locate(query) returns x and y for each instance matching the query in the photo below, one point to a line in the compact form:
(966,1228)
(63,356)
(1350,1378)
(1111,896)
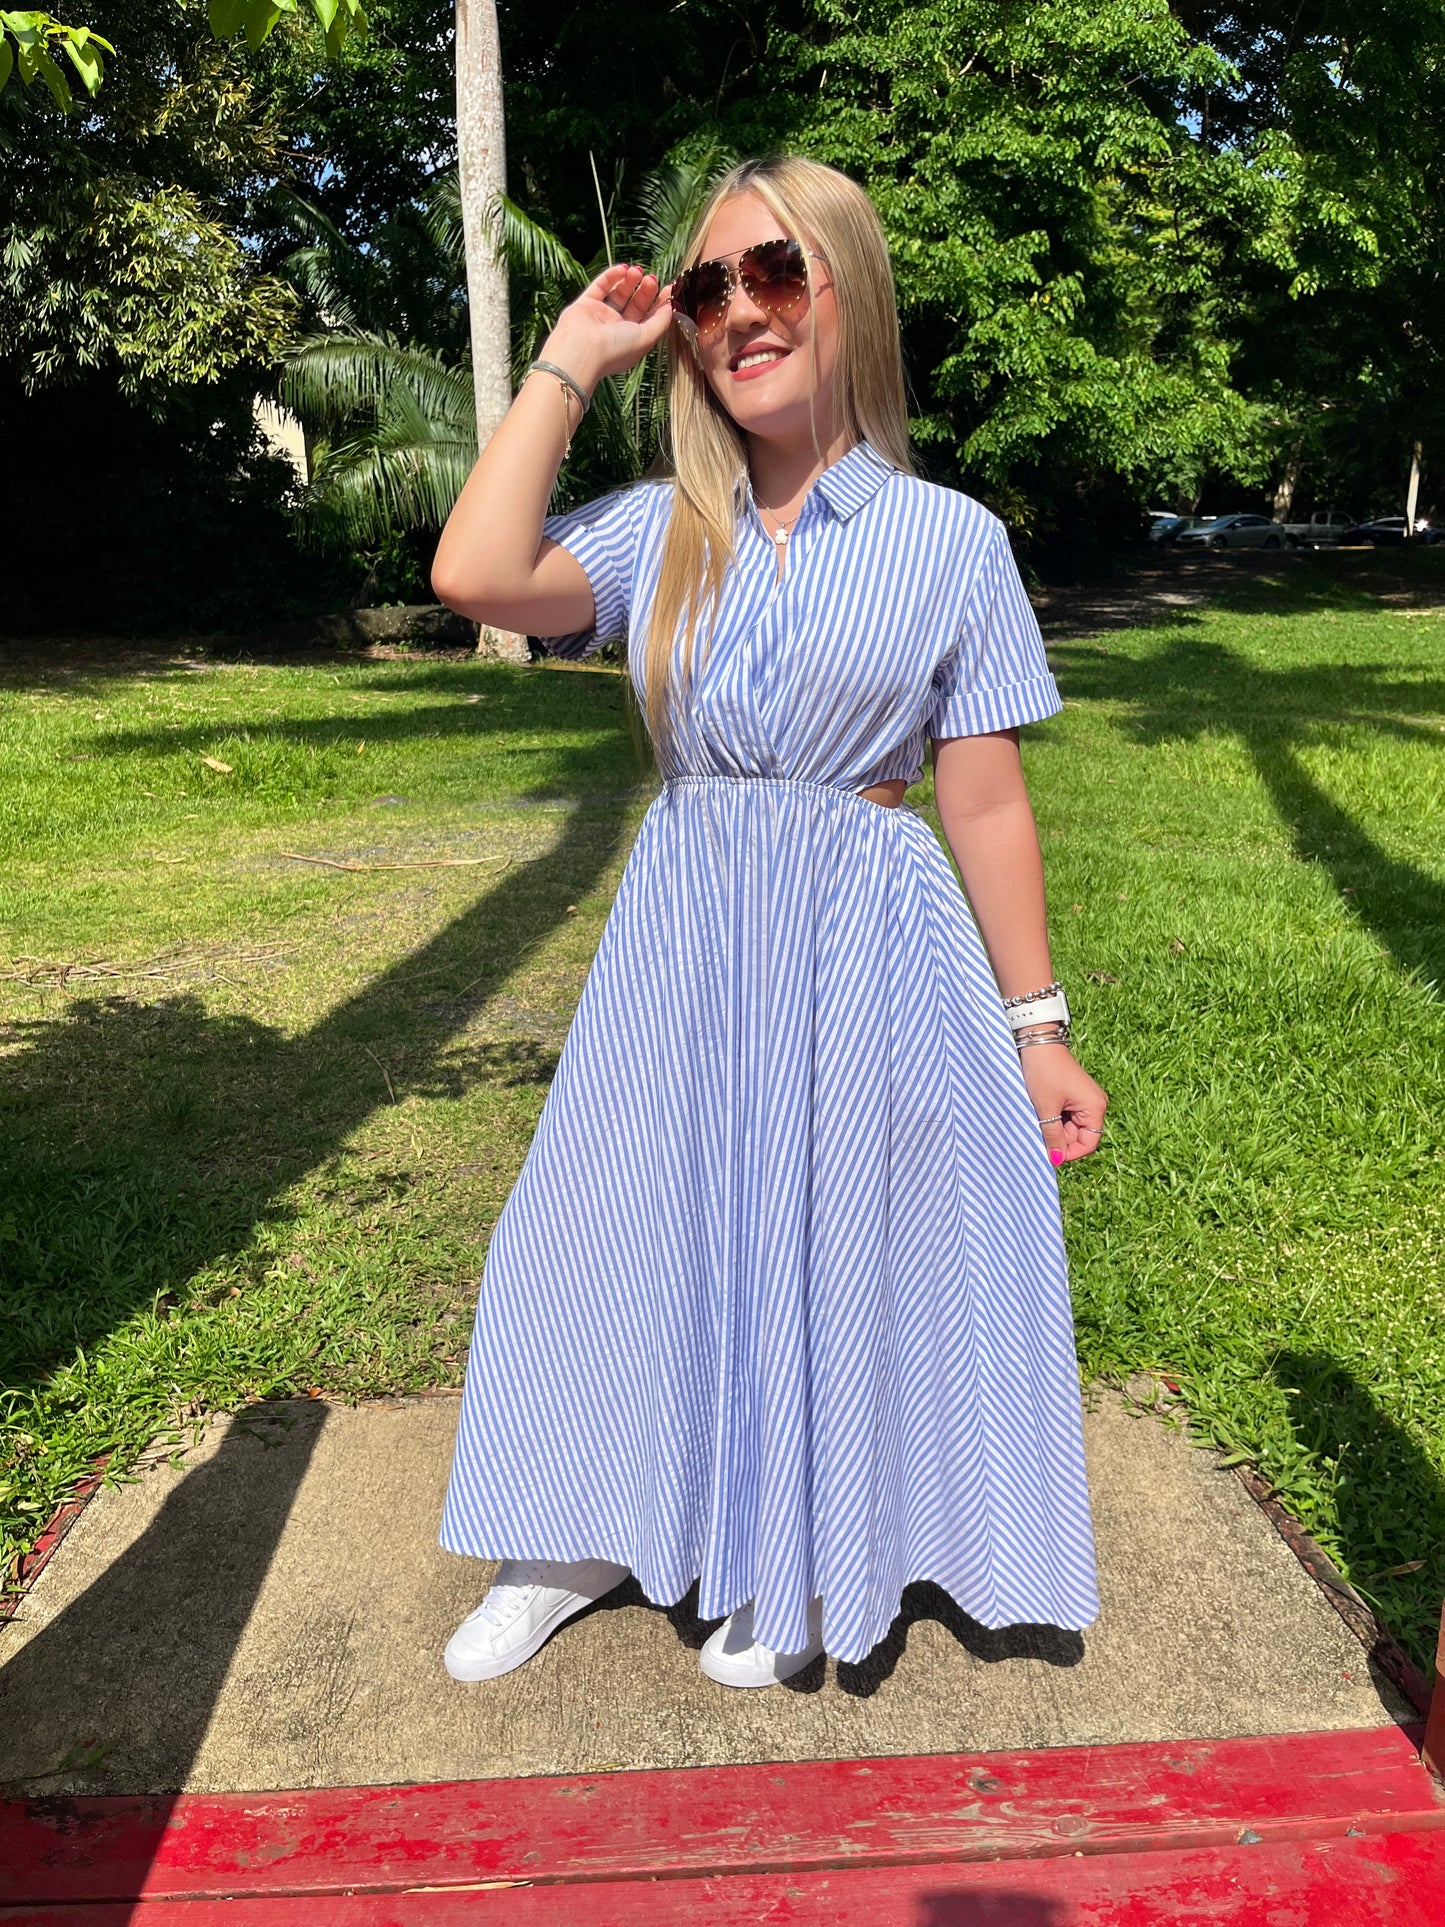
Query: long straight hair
(707,453)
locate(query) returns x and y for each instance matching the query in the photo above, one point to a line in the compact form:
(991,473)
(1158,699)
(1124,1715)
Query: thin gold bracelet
(564,390)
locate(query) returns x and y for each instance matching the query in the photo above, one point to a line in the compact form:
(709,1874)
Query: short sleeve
(996,675)
(604,537)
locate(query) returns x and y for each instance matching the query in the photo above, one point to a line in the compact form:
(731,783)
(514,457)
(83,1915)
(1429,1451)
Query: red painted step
(1387,1880)
(947,1810)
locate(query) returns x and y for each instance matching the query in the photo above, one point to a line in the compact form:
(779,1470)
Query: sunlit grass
(272,1164)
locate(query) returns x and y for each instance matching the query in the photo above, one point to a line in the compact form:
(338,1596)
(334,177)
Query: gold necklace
(783,530)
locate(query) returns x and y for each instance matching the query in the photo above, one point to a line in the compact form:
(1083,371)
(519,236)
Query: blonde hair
(708,454)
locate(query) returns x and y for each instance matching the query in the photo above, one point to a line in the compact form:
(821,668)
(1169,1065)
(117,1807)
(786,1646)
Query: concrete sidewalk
(271,1615)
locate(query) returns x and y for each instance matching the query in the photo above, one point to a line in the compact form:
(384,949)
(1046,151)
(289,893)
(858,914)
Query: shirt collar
(849,484)
(853,480)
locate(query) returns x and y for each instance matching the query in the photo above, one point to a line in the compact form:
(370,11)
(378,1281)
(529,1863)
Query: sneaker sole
(472,1670)
(719,1669)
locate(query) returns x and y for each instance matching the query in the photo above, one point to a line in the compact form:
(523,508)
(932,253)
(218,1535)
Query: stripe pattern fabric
(779,1302)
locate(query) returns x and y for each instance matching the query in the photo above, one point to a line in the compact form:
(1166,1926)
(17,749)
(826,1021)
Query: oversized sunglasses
(773,274)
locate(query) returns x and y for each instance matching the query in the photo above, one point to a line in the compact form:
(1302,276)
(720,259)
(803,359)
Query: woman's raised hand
(613,323)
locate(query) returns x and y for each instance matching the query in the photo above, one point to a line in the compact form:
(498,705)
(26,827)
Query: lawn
(258,1114)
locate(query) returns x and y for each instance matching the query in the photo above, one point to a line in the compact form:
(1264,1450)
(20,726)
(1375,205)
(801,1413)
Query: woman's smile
(756,359)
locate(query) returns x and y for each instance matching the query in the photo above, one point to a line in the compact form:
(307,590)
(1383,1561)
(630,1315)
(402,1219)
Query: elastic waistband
(806,784)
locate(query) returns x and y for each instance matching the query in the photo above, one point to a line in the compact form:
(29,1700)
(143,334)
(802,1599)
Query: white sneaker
(529,1600)
(733,1657)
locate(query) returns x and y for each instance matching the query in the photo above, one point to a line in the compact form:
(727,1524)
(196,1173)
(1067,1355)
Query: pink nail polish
(1056,1157)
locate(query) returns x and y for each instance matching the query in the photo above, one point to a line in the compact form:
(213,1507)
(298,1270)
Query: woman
(779,1303)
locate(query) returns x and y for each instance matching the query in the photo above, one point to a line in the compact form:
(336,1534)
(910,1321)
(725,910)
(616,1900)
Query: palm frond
(382,480)
(443,218)
(669,201)
(331,378)
(326,268)
(533,250)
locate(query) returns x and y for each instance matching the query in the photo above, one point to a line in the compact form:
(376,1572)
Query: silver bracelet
(567,381)
(1060,1036)
(1033,996)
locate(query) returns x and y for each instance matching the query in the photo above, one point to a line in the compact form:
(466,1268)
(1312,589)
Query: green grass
(272,1164)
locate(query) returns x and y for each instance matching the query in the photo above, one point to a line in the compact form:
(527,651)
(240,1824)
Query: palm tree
(393,421)
(482,181)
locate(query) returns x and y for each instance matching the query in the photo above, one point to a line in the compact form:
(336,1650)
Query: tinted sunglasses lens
(775,274)
(703,294)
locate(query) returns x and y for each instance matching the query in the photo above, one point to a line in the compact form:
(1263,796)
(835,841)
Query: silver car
(1233,532)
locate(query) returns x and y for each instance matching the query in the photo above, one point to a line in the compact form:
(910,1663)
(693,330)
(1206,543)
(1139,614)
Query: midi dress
(778,1303)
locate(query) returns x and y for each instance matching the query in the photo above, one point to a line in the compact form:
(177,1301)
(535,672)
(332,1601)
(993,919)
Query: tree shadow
(121,1684)
(1172,587)
(1388,1498)
(143,1142)
(1191,687)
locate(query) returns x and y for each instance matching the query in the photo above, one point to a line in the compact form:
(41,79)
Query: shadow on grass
(140,1143)
(1388,1499)
(1191,687)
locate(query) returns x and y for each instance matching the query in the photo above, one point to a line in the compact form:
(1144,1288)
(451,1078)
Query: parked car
(1388,529)
(1234,532)
(1167,529)
(1325,529)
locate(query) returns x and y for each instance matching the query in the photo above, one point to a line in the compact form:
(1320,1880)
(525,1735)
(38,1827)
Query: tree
(482,175)
(393,420)
(29,40)
(1345,105)
(1057,234)
(122,242)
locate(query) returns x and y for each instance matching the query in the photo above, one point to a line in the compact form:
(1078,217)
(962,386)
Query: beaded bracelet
(1033,996)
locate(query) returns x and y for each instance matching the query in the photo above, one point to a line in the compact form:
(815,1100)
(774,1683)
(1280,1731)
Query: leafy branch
(30,40)
(26,42)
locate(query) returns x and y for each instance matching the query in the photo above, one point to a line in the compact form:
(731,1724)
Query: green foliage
(393,420)
(255,18)
(1056,232)
(121,237)
(26,42)
(148,281)
(27,39)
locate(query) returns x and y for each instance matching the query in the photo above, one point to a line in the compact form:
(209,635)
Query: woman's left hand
(1069,1103)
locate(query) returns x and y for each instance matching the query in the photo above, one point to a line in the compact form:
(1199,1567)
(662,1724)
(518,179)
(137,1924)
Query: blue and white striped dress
(779,1299)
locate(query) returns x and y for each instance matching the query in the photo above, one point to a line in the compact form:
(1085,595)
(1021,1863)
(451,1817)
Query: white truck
(1325,529)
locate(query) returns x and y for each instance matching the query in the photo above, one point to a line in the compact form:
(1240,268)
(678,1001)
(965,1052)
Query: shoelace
(505,1602)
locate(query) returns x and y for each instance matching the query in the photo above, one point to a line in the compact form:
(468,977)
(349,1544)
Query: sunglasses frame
(736,277)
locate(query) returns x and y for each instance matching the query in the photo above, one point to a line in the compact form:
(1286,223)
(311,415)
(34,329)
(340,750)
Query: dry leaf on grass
(431,863)
(215,763)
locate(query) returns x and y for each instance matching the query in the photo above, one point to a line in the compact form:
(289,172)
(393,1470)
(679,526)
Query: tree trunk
(1412,500)
(482,167)
(1288,483)
(482,164)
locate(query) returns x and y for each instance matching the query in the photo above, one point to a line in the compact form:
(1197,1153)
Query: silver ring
(1052,1120)
(1094,1130)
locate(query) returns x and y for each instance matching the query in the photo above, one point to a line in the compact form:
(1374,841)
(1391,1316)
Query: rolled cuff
(975,712)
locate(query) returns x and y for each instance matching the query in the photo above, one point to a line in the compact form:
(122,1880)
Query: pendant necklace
(783,530)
